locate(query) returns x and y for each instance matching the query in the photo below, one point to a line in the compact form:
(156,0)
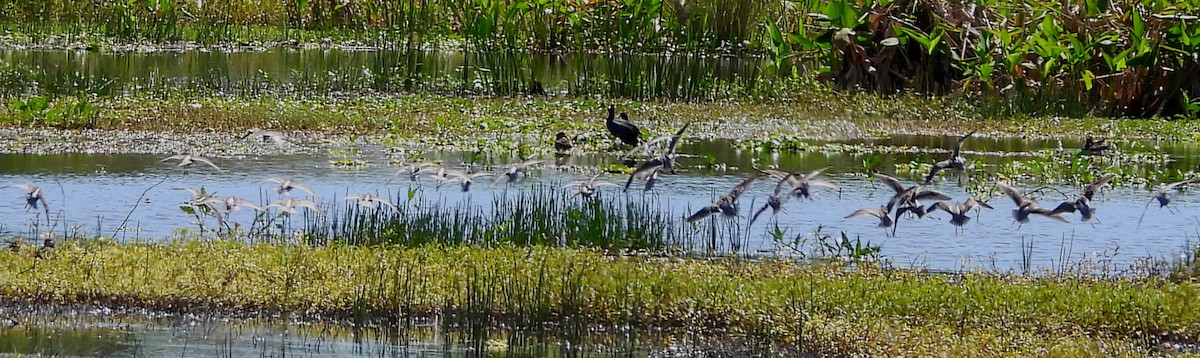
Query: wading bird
(263,135)
(1083,203)
(1094,147)
(287,185)
(802,184)
(563,143)
(290,205)
(622,128)
(186,160)
(956,160)
(33,196)
(412,170)
(883,214)
(664,162)
(1161,194)
(667,156)
(369,201)
(1026,206)
(726,204)
(229,204)
(514,172)
(907,199)
(465,179)
(958,211)
(775,200)
(587,187)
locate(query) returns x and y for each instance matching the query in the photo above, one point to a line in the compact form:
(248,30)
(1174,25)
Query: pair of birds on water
(617,125)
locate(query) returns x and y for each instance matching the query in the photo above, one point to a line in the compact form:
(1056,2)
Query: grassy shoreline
(442,119)
(821,307)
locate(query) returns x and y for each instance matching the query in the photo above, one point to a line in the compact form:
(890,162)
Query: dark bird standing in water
(1083,203)
(726,204)
(1026,206)
(622,128)
(563,143)
(1094,147)
(956,160)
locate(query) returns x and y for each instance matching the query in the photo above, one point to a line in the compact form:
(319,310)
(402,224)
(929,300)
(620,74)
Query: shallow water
(200,337)
(93,195)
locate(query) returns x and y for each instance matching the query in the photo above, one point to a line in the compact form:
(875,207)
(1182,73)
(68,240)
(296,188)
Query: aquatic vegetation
(813,306)
(542,215)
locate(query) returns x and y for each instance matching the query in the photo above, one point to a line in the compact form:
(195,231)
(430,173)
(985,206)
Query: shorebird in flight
(285,186)
(186,160)
(726,204)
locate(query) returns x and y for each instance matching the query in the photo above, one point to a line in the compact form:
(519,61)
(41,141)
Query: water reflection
(101,337)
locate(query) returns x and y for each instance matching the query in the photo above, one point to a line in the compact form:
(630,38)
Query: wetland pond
(137,197)
(93,195)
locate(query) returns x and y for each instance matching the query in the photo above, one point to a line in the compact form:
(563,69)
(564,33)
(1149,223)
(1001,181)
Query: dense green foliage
(1041,58)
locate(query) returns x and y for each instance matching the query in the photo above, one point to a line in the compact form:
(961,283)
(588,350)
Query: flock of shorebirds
(907,200)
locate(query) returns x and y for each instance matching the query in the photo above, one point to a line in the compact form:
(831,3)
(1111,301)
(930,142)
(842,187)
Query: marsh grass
(542,215)
(813,306)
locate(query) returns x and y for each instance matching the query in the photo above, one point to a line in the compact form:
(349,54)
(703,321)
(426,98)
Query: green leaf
(841,12)
(1139,26)
(891,41)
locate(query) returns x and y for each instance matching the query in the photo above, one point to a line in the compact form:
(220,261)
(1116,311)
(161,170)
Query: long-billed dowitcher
(776,200)
(370,200)
(412,170)
(463,178)
(666,156)
(726,204)
(186,160)
(1026,206)
(289,205)
(802,184)
(33,196)
(285,186)
(1083,203)
(956,160)
(515,172)
(958,211)
(587,187)
(883,214)
(1161,193)
(263,135)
